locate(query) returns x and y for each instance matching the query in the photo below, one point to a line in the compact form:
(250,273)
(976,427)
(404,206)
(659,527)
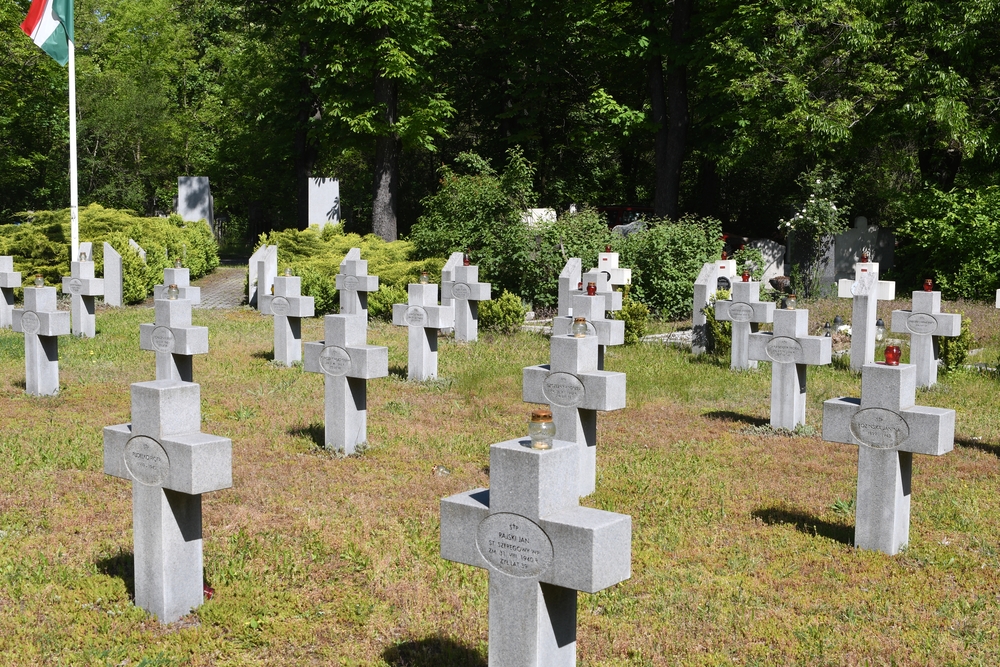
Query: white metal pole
(74,195)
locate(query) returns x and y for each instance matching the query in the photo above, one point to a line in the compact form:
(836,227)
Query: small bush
(635,314)
(503,315)
(720,334)
(953,350)
(380,302)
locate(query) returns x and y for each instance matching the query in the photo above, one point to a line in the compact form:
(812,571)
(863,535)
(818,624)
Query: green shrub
(720,334)
(380,302)
(135,273)
(503,315)
(750,259)
(635,314)
(953,350)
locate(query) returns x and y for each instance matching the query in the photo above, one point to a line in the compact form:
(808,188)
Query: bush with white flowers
(815,222)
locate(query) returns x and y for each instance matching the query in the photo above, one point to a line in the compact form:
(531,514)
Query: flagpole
(74,195)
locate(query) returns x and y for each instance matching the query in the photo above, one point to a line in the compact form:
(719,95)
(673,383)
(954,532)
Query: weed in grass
(244,413)
(844,508)
(398,408)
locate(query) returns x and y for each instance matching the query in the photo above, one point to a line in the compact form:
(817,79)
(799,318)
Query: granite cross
(607,262)
(82,287)
(9,280)
(745,310)
(261,272)
(173,339)
(866,290)
(347,362)
(713,277)
(170,463)
(354,284)
(569,283)
(575,390)
(539,547)
(448,274)
(790,349)
(888,429)
(593,309)
(465,291)
(180,277)
(924,321)
(288,307)
(423,317)
(41,323)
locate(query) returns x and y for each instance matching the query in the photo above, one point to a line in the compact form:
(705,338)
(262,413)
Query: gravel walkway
(223,288)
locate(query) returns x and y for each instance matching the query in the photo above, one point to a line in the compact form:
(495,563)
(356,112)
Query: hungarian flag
(50,26)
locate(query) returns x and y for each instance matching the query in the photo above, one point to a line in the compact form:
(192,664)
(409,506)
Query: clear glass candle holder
(579,328)
(288,272)
(541,429)
(790,301)
(39,281)
(177,264)
(879,330)
(425,278)
(173,292)
(83,257)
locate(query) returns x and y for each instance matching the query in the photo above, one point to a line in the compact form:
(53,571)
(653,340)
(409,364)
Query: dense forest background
(711,107)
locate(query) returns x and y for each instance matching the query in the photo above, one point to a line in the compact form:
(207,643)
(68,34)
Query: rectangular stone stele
(194,200)
(324,201)
(262,270)
(9,281)
(924,321)
(170,463)
(888,429)
(539,547)
(113,278)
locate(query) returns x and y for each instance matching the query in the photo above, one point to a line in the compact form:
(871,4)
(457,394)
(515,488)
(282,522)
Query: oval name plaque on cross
(163,339)
(514,545)
(29,322)
(146,461)
(740,312)
(75,285)
(783,349)
(563,389)
(350,283)
(335,360)
(879,428)
(416,316)
(921,323)
(461,291)
(279,305)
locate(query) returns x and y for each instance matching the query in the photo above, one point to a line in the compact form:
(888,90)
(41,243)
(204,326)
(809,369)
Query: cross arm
(50,322)
(9,279)
(532,378)
(936,324)
(604,390)
(198,462)
(886,290)
(87,287)
(461,515)
(186,340)
(592,549)
(367,361)
(837,414)
(362,283)
(477,291)
(932,430)
(115,439)
(298,306)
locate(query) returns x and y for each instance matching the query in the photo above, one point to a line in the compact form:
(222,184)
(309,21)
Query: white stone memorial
(139,249)
(424,317)
(194,200)
(347,362)
(790,350)
(924,321)
(539,547)
(288,307)
(570,282)
(354,284)
(41,323)
(170,463)
(262,270)
(745,310)
(714,276)
(9,280)
(173,339)
(324,201)
(464,292)
(180,277)
(82,287)
(866,290)
(113,278)
(607,263)
(888,428)
(575,390)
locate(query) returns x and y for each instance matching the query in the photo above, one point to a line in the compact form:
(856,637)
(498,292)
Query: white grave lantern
(82,287)
(465,292)
(866,290)
(173,339)
(354,284)
(714,276)
(9,280)
(41,323)
(923,322)
(745,310)
(288,307)
(424,317)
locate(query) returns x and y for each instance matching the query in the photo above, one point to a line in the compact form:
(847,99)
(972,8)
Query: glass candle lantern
(725,255)
(837,321)
(466,260)
(591,289)
(826,329)
(541,429)
(83,257)
(790,302)
(177,264)
(579,285)
(746,276)
(579,329)
(928,285)
(173,292)
(288,272)
(607,248)
(424,278)
(39,281)
(879,330)
(892,354)
(864,257)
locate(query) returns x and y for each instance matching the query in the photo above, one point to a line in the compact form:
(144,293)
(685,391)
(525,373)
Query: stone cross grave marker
(354,284)
(347,362)
(575,390)
(170,463)
(464,292)
(866,290)
(182,278)
(569,283)
(745,310)
(539,547)
(9,279)
(448,274)
(607,263)
(789,349)
(713,277)
(424,317)
(888,429)
(173,339)
(82,287)
(924,321)
(41,323)
(262,270)
(593,309)
(288,307)
(113,277)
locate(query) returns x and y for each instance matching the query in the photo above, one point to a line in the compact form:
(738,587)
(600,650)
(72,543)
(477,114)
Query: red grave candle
(928,285)
(892,354)
(591,289)
(746,276)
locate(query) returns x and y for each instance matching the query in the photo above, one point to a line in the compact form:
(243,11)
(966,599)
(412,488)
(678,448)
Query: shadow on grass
(266,356)
(727,416)
(399,372)
(805,523)
(981,445)
(315,432)
(20,384)
(432,652)
(710,359)
(122,566)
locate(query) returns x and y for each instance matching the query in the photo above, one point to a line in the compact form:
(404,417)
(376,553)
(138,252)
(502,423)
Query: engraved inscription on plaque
(723,283)
(279,305)
(879,428)
(350,283)
(29,322)
(461,291)
(146,461)
(75,285)
(416,316)
(740,312)
(514,545)
(335,360)
(163,339)
(563,389)
(921,323)
(783,349)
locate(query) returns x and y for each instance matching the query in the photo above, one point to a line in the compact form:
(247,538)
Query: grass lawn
(741,537)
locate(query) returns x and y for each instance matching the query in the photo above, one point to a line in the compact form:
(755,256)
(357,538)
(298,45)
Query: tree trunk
(305,151)
(939,166)
(677,96)
(658,105)
(385,204)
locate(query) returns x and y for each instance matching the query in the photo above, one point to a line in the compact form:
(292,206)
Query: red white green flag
(50,25)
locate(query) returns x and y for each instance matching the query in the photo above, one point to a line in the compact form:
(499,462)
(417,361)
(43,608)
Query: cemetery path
(223,288)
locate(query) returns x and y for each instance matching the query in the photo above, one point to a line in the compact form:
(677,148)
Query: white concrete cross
(745,310)
(288,307)
(182,278)
(539,547)
(866,290)
(465,291)
(82,287)
(9,280)
(424,317)
(713,277)
(888,429)
(573,387)
(170,463)
(354,284)
(41,323)
(570,280)
(347,362)
(173,339)
(593,309)
(448,274)
(924,321)
(262,270)
(607,262)
(790,349)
